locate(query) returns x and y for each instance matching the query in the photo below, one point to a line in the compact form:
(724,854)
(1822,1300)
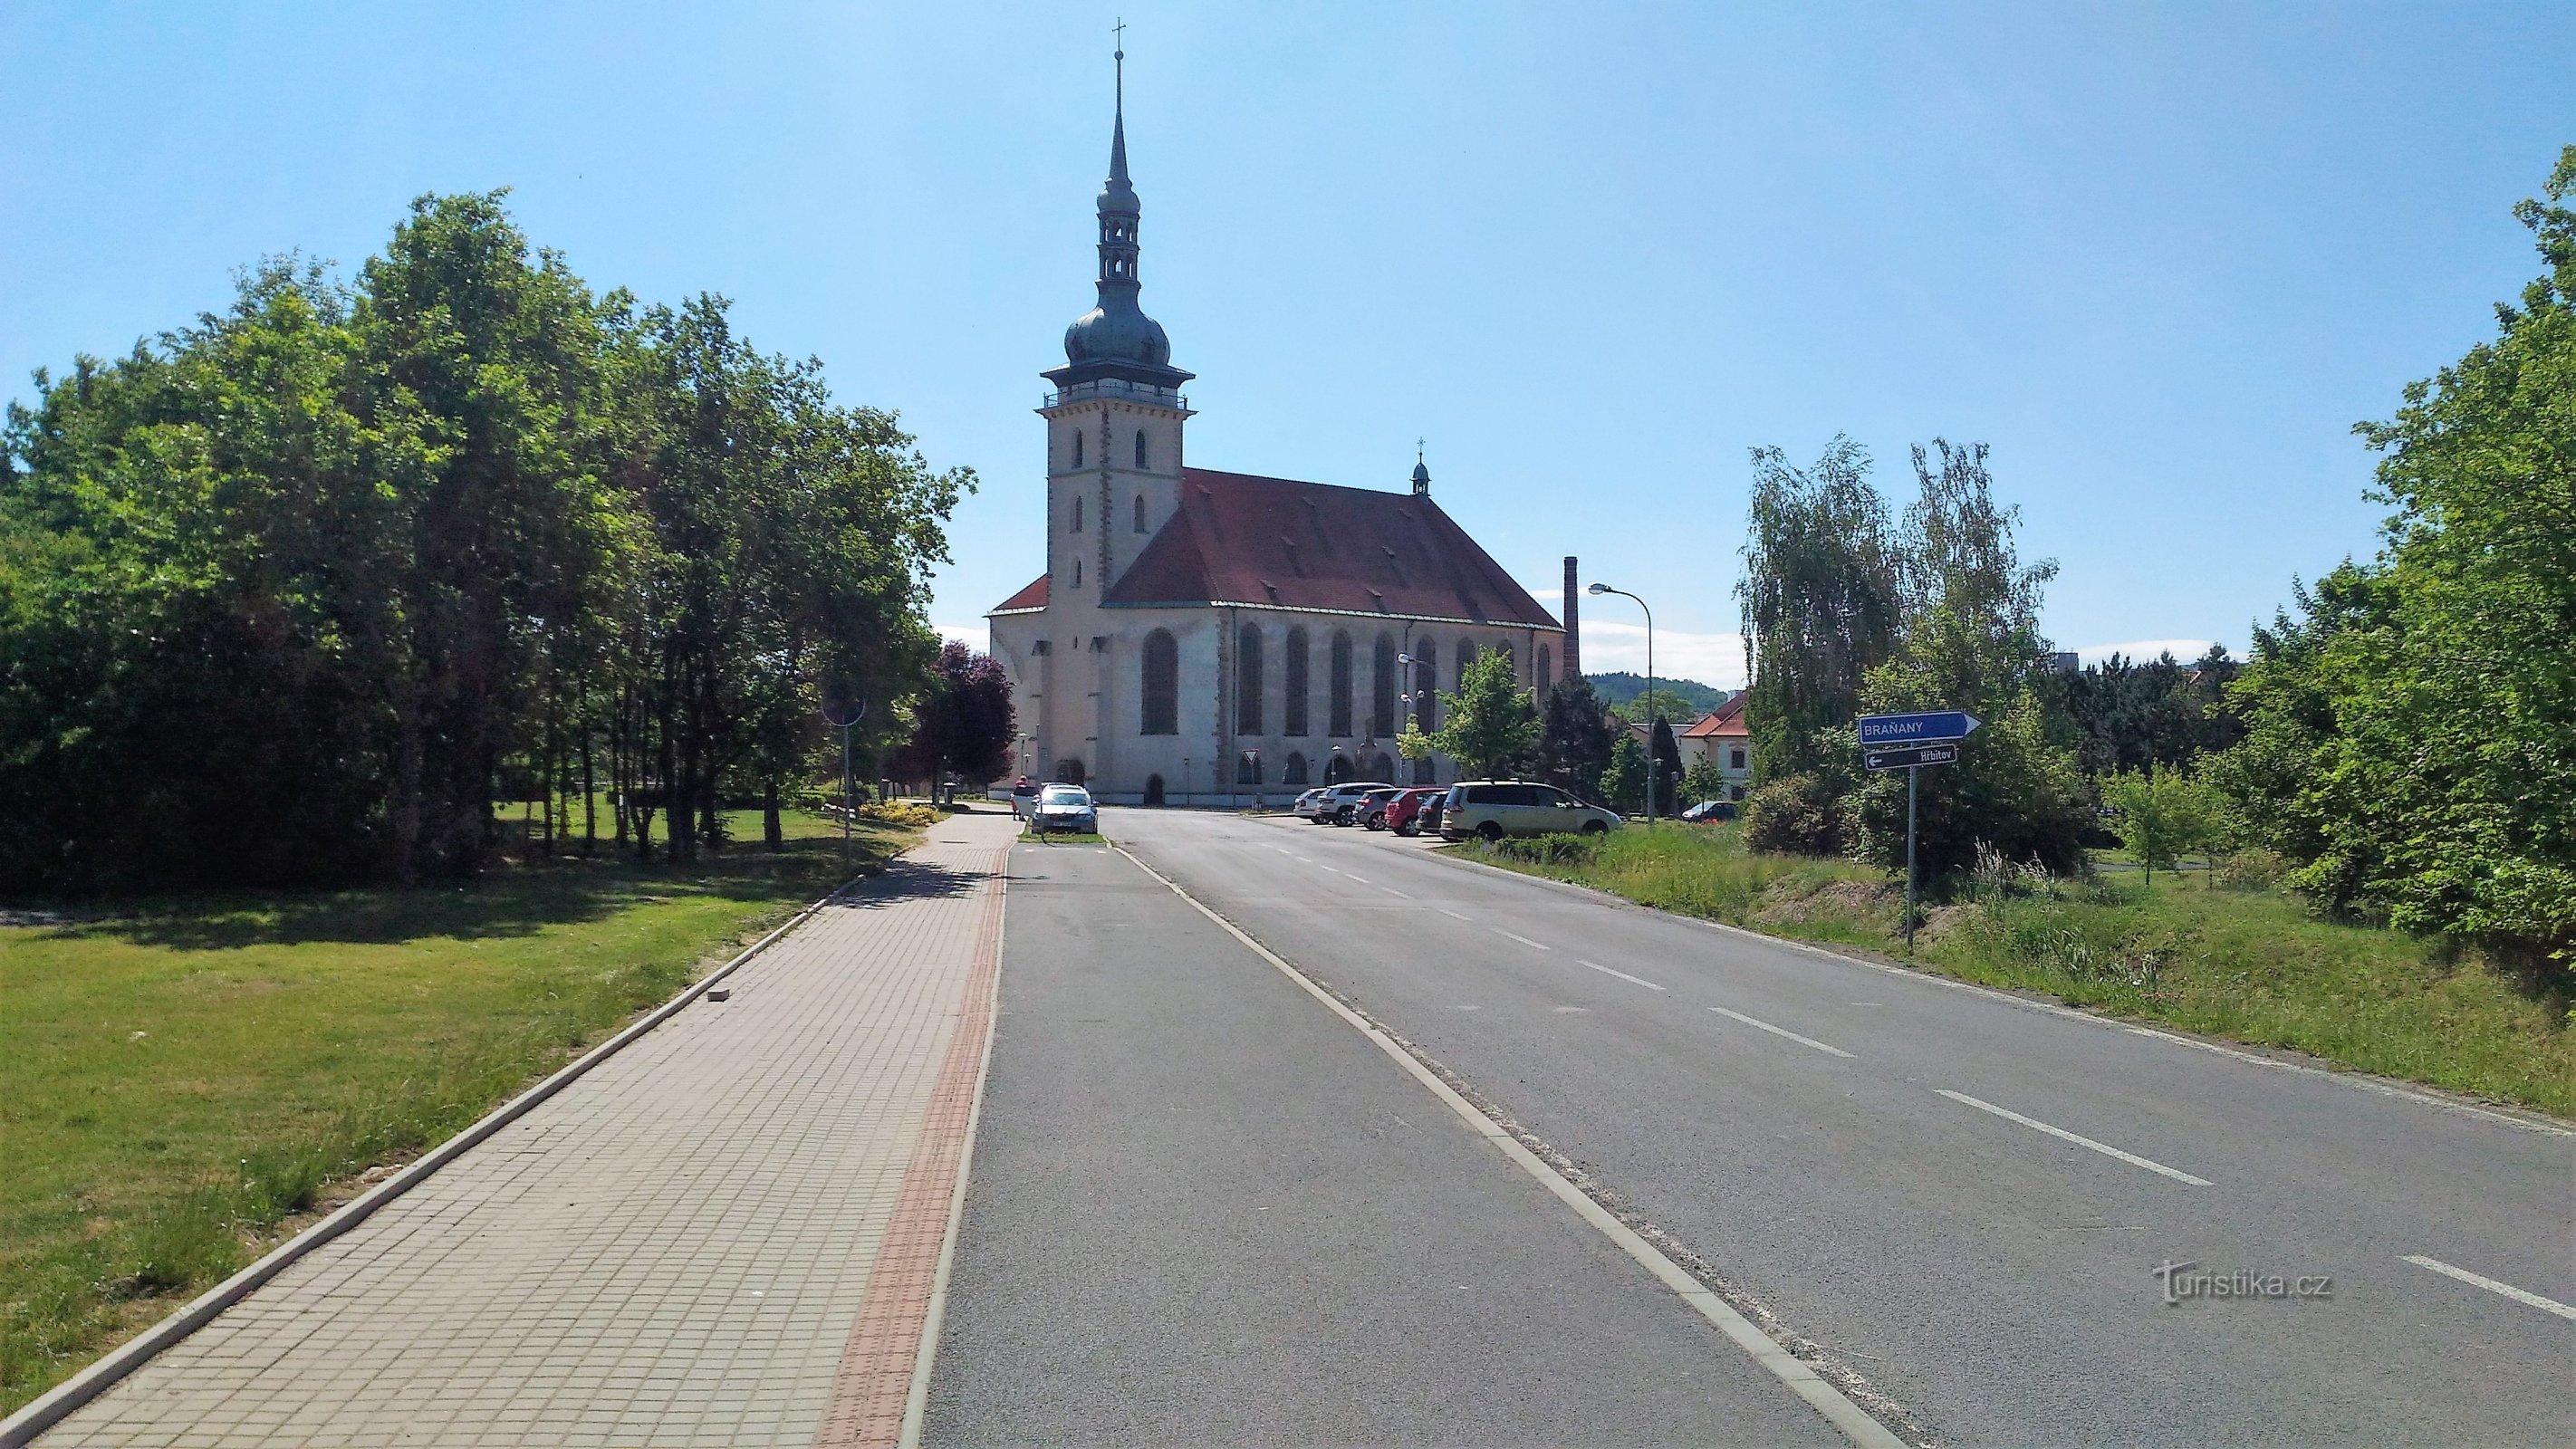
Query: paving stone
(673,1250)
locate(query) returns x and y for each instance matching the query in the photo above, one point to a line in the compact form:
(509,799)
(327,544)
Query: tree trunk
(772,833)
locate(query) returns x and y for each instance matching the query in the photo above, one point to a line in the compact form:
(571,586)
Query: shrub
(1800,815)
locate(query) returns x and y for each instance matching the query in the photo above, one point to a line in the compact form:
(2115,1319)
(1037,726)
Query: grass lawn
(2251,964)
(183,1077)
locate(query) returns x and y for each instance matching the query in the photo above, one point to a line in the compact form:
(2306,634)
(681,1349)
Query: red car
(1403,814)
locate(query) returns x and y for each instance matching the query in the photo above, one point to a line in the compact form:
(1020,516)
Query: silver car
(1067,808)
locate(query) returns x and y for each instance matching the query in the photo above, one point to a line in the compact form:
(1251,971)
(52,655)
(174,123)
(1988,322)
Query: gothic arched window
(1077,573)
(1340,721)
(1426,686)
(1466,656)
(1292,683)
(1295,774)
(1247,768)
(1161,714)
(1141,463)
(1077,513)
(1077,447)
(1382,688)
(1247,681)
(1546,669)
(1140,513)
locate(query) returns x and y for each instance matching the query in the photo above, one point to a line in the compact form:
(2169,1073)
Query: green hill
(1619,686)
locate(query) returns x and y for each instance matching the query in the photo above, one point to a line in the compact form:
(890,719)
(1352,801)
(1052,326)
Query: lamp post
(841,709)
(1652,764)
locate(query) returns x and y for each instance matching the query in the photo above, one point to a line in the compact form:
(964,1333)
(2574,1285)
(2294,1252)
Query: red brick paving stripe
(875,1379)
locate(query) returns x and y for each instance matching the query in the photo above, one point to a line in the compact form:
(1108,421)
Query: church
(1206,637)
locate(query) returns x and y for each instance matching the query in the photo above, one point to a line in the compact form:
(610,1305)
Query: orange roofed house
(1720,736)
(1205,636)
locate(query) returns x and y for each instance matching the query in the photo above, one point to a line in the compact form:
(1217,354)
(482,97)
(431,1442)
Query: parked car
(1403,814)
(1709,812)
(1067,808)
(1341,803)
(1492,809)
(1024,793)
(1304,808)
(1373,809)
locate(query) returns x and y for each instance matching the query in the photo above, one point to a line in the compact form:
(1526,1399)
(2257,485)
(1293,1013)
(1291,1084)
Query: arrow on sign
(1929,727)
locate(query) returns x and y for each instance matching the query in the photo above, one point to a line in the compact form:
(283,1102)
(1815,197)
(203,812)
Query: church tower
(1115,418)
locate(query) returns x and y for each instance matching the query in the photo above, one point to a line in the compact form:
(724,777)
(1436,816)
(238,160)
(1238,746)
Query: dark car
(1404,814)
(1372,811)
(1709,812)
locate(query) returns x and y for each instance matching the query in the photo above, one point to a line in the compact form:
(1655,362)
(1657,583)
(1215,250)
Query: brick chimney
(1573,625)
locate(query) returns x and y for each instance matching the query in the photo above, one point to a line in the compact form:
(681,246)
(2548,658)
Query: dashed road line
(1622,975)
(1806,1041)
(1390,890)
(2078,1139)
(1818,1392)
(2480,1280)
(1453,915)
(1524,940)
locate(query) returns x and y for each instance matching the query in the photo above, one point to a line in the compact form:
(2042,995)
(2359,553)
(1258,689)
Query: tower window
(1140,513)
(1077,513)
(1077,447)
(1141,462)
(1077,573)
(1382,689)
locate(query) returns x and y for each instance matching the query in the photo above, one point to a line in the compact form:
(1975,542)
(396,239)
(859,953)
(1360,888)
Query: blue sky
(2160,257)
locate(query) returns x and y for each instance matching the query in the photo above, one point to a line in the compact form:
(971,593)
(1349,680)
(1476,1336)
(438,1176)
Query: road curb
(63,1399)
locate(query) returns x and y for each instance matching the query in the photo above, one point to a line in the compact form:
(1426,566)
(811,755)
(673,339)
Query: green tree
(1969,640)
(1704,780)
(2412,739)
(2160,814)
(1574,738)
(1489,727)
(1664,754)
(1623,784)
(1821,601)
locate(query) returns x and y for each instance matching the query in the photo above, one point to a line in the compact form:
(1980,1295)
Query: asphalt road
(1961,1197)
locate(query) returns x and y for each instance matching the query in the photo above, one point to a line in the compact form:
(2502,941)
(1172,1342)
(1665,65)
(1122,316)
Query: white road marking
(1390,890)
(1813,1388)
(1453,915)
(1363,880)
(1524,940)
(2006,998)
(1777,1031)
(1622,975)
(2545,1305)
(2081,1141)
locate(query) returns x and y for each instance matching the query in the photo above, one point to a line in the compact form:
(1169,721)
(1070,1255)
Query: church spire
(1115,339)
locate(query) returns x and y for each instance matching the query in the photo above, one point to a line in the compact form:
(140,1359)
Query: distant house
(1720,737)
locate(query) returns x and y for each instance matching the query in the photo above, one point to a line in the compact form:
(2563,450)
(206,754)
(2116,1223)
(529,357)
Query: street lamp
(842,709)
(1652,764)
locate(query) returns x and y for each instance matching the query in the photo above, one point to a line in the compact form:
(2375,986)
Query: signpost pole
(849,806)
(1913,777)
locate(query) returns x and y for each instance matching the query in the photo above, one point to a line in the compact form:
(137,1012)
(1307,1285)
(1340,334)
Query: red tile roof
(1249,540)
(1727,719)
(1032,597)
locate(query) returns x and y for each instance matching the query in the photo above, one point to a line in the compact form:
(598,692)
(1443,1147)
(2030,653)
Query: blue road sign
(1909,756)
(1930,727)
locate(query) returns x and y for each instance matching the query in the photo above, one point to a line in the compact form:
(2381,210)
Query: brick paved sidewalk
(678,1248)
